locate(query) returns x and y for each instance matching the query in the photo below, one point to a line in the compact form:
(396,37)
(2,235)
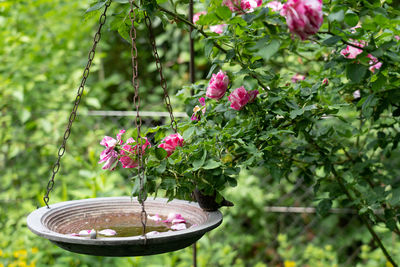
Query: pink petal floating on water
(108,232)
(176,221)
(84,233)
(155,218)
(153,233)
(172,216)
(179,226)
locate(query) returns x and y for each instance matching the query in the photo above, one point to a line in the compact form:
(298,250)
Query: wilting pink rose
(170,143)
(325,81)
(196,16)
(374,63)
(297,77)
(129,152)
(240,97)
(275,6)
(242,5)
(217,86)
(352,52)
(303,17)
(196,109)
(218,28)
(110,155)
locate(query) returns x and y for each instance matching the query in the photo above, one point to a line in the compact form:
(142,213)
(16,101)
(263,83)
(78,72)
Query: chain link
(138,120)
(163,82)
(72,116)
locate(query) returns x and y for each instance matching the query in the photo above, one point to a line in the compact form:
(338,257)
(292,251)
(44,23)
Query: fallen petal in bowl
(108,232)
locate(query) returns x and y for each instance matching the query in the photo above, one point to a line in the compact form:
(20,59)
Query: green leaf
(168,183)
(211,164)
(356,72)
(269,50)
(223,12)
(96,6)
(351,18)
(198,163)
(324,206)
(332,40)
(188,133)
(336,16)
(161,153)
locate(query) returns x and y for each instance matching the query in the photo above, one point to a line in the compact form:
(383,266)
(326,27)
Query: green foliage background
(43,50)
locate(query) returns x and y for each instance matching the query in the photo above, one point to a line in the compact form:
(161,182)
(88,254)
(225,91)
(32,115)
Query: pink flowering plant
(302,89)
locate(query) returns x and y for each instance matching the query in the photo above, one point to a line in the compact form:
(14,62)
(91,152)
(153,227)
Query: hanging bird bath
(64,218)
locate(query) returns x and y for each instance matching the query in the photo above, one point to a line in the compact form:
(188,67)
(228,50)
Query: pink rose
(196,16)
(217,86)
(397,37)
(374,63)
(352,52)
(298,77)
(240,97)
(218,28)
(242,5)
(325,82)
(129,152)
(170,143)
(303,17)
(275,6)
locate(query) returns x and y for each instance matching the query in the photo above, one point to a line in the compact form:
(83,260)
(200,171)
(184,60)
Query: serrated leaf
(211,164)
(96,6)
(356,72)
(161,153)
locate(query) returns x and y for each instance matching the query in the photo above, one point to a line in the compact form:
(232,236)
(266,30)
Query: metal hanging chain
(138,120)
(61,150)
(163,82)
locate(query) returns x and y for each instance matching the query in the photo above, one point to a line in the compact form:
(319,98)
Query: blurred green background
(43,51)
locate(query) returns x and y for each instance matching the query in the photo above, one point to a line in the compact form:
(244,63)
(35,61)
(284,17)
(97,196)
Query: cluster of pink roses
(126,153)
(242,5)
(351,52)
(217,87)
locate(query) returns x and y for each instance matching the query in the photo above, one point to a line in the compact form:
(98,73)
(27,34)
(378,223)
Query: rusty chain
(61,150)
(163,82)
(138,120)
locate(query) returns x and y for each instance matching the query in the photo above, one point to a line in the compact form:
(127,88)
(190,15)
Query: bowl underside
(57,222)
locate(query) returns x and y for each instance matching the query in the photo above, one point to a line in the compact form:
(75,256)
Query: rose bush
(341,136)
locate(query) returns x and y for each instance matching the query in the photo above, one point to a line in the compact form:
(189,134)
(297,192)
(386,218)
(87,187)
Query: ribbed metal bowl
(54,223)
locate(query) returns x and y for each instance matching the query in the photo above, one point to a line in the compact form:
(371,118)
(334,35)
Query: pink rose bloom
(303,17)
(397,37)
(275,6)
(375,64)
(298,77)
(217,86)
(240,97)
(196,16)
(352,52)
(242,5)
(218,28)
(129,152)
(325,81)
(170,143)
